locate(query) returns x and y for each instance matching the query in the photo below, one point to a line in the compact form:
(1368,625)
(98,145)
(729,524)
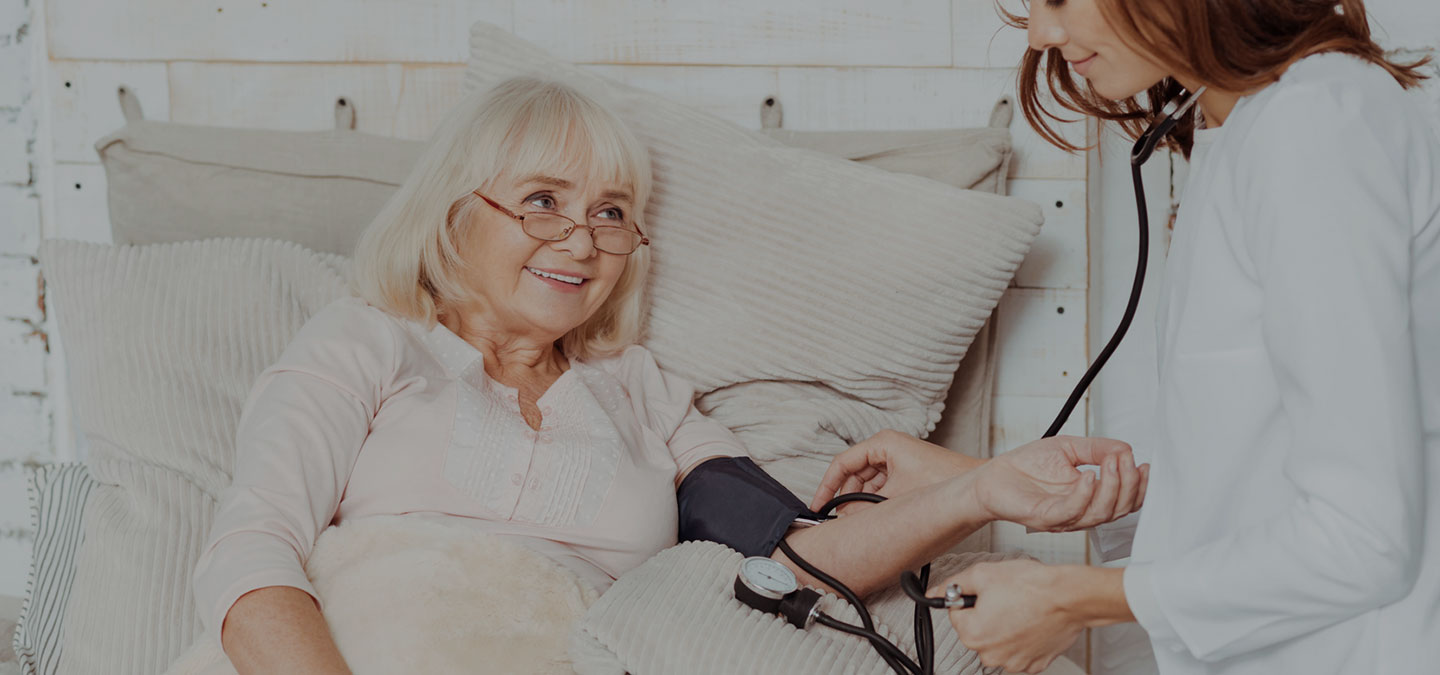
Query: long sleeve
(1330,213)
(302,428)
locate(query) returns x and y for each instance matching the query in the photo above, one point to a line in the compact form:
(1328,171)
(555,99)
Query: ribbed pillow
(175,182)
(812,302)
(58,494)
(677,613)
(163,344)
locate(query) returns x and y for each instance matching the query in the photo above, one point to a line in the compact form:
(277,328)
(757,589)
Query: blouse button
(516,479)
(534,483)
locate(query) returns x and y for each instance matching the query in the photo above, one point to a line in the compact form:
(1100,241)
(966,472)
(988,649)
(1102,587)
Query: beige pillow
(174,182)
(163,344)
(177,182)
(974,159)
(701,629)
(812,302)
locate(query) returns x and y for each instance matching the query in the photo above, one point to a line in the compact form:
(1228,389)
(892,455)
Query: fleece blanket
(407,594)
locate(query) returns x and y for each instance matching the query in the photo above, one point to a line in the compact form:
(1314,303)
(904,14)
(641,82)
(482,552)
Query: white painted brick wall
(25,427)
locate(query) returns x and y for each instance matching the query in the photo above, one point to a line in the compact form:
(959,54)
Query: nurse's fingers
(1095,450)
(1129,490)
(1144,485)
(1077,502)
(842,469)
(1102,505)
(854,483)
(857,480)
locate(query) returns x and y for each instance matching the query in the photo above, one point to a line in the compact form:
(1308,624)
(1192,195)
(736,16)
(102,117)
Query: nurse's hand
(889,463)
(1017,622)
(1026,614)
(1039,484)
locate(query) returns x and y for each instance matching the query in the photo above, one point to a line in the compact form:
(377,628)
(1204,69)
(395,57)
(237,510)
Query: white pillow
(813,302)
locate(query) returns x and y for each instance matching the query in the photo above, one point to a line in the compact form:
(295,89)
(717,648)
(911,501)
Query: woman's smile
(559,280)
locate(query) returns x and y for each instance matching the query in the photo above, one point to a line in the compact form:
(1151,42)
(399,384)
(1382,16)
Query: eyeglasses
(555,227)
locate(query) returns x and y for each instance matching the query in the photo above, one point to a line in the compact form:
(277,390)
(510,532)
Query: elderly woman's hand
(890,463)
(1039,484)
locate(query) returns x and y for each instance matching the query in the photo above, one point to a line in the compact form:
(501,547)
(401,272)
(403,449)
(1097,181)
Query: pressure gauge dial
(763,582)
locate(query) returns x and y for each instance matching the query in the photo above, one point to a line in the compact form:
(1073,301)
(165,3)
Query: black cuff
(731,501)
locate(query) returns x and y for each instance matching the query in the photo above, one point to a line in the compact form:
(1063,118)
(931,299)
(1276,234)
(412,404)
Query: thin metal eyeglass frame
(644,240)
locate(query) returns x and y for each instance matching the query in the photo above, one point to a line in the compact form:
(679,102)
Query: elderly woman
(488,374)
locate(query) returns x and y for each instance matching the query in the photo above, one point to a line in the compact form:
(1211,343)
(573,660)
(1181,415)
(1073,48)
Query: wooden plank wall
(838,64)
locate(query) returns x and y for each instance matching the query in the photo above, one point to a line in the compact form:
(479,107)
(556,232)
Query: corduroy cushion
(812,302)
(58,495)
(173,182)
(176,182)
(677,613)
(163,344)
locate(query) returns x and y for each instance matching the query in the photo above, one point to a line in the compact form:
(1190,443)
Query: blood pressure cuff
(731,501)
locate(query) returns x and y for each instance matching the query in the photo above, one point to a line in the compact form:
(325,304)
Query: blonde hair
(407,262)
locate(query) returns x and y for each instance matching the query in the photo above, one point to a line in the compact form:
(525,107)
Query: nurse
(1292,522)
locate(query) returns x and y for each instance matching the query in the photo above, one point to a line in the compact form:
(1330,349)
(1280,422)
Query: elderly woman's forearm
(278,629)
(867,550)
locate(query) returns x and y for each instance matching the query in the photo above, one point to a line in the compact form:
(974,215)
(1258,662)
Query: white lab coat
(1292,523)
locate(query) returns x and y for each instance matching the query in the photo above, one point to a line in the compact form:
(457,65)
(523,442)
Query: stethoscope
(770,586)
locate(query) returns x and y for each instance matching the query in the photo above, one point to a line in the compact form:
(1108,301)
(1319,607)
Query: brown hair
(1235,45)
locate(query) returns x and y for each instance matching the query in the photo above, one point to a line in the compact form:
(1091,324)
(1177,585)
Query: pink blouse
(366,414)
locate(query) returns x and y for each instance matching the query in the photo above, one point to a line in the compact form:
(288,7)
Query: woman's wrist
(962,496)
(962,464)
